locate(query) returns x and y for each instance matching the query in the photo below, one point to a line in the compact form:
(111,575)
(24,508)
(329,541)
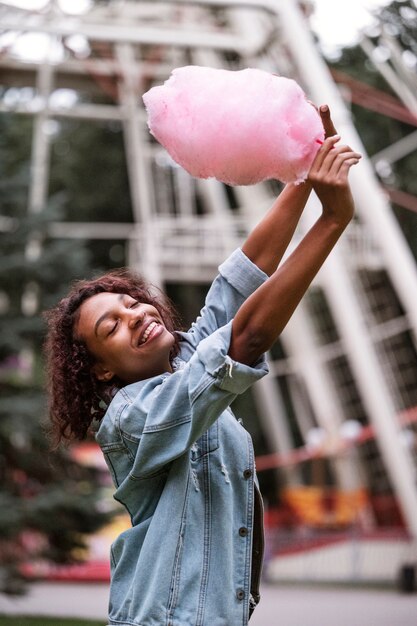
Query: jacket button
(240,594)
(247,473)
(243,531)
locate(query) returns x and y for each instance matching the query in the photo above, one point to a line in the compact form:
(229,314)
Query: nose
(137,316)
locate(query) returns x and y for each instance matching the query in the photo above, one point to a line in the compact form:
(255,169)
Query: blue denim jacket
(183,467)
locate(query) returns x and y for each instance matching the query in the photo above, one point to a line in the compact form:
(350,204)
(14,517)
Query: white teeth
(148,332)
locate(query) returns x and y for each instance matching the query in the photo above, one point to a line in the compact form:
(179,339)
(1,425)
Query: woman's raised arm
(267,243)
(263,316)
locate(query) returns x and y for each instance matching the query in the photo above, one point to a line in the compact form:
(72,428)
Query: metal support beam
(134,34)
(139,174)
(369,378)
(298,337)
(272,413)
(397,150)
(391,76)
(39,175)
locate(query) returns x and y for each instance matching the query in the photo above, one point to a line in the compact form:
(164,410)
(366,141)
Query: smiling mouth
(147,332)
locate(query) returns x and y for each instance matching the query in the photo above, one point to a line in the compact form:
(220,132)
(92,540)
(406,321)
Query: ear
(102,373)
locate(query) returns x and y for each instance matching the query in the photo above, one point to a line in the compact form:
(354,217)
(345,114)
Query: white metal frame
(150,245)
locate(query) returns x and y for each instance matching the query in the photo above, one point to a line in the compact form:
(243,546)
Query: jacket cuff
(241,273)
(230,375)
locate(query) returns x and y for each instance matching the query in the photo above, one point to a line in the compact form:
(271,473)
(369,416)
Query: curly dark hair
(76,396)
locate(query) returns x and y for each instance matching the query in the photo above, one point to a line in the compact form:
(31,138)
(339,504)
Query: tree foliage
(48,502)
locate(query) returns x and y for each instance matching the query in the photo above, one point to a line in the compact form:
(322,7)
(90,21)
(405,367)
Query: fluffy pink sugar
(241,127)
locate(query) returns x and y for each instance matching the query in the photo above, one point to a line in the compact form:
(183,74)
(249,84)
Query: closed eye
(128,305)
(113,328)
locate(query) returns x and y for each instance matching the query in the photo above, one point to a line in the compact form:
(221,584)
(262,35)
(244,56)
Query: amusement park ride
(346,370)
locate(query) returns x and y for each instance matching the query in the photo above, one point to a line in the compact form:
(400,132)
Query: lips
(147,332)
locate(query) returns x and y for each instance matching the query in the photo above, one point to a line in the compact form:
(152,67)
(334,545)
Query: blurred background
(84,188)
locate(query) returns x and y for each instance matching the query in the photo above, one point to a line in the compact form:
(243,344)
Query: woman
(182,465)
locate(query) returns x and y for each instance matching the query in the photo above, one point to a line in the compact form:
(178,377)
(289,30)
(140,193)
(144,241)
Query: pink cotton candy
(241,127)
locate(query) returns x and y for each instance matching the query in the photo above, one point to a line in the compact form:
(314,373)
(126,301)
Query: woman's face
(128,338)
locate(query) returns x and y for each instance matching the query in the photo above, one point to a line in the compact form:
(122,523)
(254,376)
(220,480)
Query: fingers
(329,128)
(323,152)
(342,163)
(333,163)
(336,157)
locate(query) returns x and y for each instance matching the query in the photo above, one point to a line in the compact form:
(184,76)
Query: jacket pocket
(119,461)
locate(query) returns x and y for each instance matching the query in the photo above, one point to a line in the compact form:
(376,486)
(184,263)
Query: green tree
(48,502)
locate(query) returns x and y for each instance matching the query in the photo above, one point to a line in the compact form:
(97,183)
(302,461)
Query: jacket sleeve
(166,418)
(238,277)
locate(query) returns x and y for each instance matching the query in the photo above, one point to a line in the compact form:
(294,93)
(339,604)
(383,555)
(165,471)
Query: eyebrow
(107,314)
